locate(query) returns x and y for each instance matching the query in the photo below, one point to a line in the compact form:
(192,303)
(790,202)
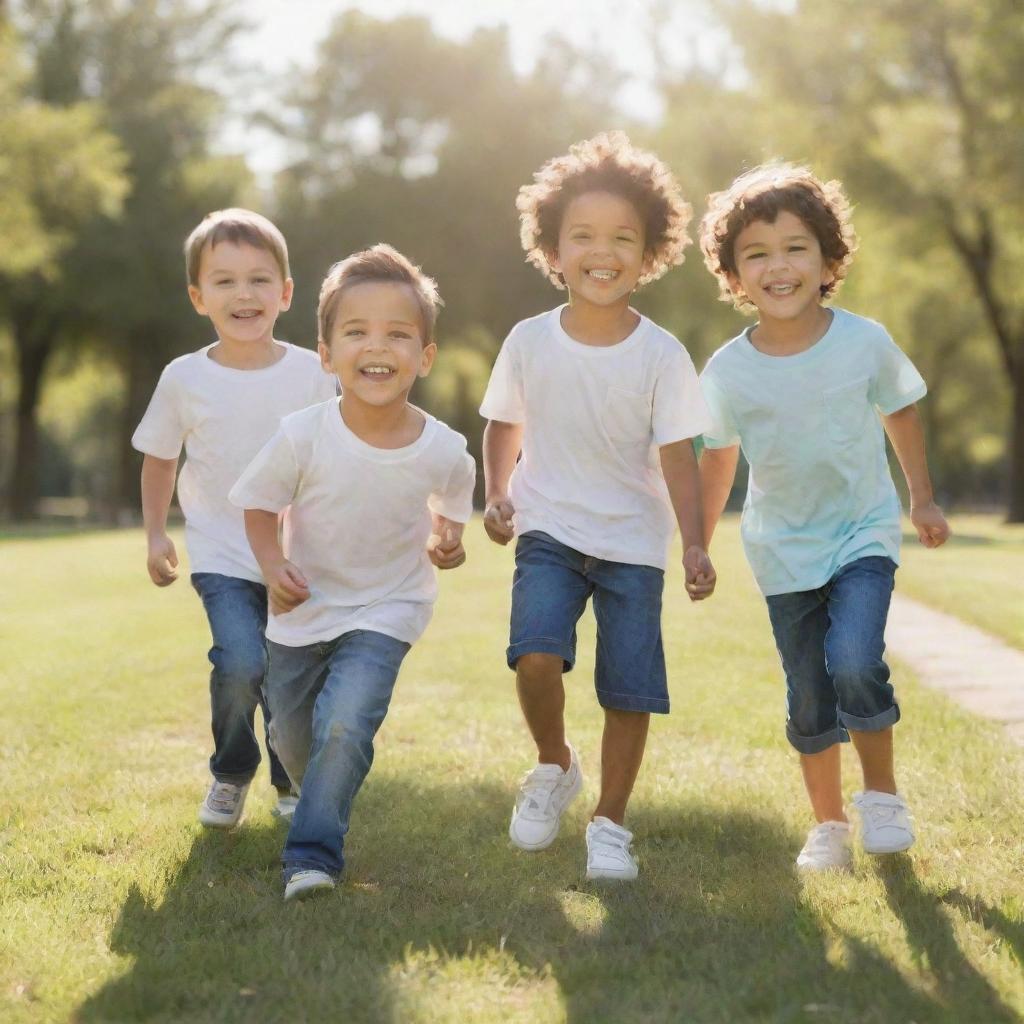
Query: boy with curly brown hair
(589,463)
(806,393)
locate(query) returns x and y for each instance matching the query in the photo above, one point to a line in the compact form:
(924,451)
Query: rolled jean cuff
(541,645)
(632,702)
(235,778)
(876,723)
(816,744)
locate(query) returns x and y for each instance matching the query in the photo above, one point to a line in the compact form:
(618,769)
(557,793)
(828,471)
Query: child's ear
(196,297)
(286,294)
(324,352)
(553,261)
(828,275)
(427,358)
(734,285)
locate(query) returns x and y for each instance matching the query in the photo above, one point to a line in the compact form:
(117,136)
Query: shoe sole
(544,844)
(307,891)
(876,851)
(611,876)
(210,823)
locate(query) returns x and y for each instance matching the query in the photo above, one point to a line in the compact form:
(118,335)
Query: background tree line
(111,112)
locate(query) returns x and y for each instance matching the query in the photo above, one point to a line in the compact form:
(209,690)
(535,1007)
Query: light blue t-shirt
(819,494)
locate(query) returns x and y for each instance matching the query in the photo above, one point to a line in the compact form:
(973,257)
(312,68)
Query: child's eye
(401,334)
(262,280)
(353,332)
(624,238)
(797,248)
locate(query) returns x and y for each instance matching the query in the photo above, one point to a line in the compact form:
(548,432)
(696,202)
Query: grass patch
(118,907)
(978,575)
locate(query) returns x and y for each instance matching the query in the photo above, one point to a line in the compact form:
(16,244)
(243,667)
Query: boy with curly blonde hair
(806,393)
(589,463)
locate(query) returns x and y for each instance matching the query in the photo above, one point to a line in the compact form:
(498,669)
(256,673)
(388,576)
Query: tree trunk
(1015,511)
(33,345)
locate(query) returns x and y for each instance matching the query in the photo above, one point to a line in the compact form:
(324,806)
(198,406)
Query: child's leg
(629,674)
(542,698)
(854,647)
(236,610)
(800,623)
(362,667)
(622,752)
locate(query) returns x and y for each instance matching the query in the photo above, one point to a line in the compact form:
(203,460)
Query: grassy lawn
(118,907)
(978,575)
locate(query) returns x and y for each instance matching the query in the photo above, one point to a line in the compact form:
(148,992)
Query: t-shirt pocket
(846,411)
(627,416)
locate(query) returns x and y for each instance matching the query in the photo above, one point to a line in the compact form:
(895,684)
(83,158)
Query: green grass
(117,907)
(978,575)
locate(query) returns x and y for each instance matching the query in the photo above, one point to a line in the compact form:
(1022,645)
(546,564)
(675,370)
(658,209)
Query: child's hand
(445,548)
(286,588)
(162,560)
(498,521)
(932,529)
(700,573)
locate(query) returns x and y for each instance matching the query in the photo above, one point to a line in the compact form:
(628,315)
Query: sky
(285,33)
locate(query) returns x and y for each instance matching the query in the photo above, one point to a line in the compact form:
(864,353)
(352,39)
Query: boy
(594,396)
(806,392)
(223,403)
(378,490)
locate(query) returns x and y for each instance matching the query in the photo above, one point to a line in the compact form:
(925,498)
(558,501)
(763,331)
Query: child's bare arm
(445,545)
(679,467)
(717,473)
(286,586)
(907,437)
(502,444)
(157,490)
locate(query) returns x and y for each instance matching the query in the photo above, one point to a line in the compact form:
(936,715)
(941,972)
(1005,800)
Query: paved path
(978,671)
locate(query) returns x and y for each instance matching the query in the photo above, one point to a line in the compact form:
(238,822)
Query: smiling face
(240,288)
(600,249)
(780,268)
(376,346)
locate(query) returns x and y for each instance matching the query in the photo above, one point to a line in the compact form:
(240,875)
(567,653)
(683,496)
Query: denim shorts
(550,588)
(831,642)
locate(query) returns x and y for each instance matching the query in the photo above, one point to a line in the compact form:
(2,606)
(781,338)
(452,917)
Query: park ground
(118,907)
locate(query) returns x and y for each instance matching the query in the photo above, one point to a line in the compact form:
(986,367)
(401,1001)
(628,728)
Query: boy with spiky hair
(602,405)
(379,490)
(806,393)
(221,404)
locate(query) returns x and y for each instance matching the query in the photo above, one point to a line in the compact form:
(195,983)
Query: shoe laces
(881,814)
(223,796)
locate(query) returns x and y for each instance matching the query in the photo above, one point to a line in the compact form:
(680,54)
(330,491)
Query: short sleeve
(270,481)
(325,387)
(455,500)
(678,409)
(896,383)
(503,400)
(162,430)
(722,431)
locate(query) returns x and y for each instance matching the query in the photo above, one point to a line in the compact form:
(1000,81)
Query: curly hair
(762,194)
(383,263)
(608,162)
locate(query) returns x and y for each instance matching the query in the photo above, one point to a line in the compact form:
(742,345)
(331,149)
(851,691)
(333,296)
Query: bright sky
(286,33)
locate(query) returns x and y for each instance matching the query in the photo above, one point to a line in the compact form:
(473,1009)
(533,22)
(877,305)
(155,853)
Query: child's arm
(445,545)
(157,490)
(502,444)
(907,437)
(717,473)
(679,467)
(286,586)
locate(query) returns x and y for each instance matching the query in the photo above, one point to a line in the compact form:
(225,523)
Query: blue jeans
(327,701)
(831,642)
(237,612)
(550,588)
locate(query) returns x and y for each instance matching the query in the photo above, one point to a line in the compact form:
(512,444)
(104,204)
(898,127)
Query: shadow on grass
(438,918)
(974,907)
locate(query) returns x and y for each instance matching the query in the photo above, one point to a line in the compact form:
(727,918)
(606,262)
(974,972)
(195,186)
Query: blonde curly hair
(762,194)
(608,162)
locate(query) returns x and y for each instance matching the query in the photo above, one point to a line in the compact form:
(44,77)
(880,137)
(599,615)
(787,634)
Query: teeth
(377,371)
(604,275)
(247,314)
(782,289)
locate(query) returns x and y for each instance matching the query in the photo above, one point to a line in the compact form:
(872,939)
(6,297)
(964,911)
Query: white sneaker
(827,847)
(223,805)
(543,795)
(285,806)
(885,825)
(307,883)
(608,853)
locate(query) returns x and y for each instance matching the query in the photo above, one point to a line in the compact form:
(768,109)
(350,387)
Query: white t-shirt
(594,418)
(223,416)
(359,521)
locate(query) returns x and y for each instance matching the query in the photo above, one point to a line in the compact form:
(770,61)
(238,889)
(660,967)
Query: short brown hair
(240,227)
(379,263)
(608,162)
(762,194)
